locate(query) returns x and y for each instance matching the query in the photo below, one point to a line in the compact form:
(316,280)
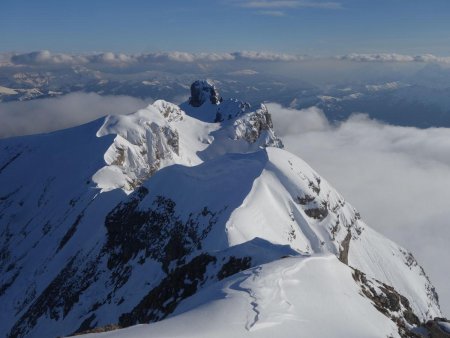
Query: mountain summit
(202,91)
(192,218)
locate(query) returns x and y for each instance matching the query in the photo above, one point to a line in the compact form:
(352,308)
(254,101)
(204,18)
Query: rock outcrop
(203,91)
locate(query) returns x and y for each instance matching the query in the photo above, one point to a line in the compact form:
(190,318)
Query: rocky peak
(202,91)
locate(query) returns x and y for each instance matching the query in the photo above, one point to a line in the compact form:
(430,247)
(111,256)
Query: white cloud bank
(47,58)
(289,4)
(244,72)
(393,57)
(397,177)
(271,13)
(44,115)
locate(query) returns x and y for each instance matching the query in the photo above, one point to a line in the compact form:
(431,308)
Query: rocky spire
(203,90)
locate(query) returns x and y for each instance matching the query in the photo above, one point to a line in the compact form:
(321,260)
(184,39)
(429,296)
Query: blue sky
(305,26)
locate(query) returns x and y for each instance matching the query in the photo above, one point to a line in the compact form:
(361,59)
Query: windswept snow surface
(297,296)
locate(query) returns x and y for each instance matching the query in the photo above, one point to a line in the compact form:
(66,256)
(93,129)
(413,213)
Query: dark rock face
(436,329)
(60,296)
(184,281)
(162,300)
(202,91)
(318,212)
(233,266)
(389,302)
(106,328)
(157,232)
(345,246)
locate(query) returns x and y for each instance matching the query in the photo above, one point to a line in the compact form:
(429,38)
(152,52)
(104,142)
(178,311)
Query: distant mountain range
(412,101)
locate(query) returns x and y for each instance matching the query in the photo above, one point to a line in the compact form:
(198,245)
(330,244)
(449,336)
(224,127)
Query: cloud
(109,59)
(323,5)
(279,4)
(5,59)
(397,177)
(271,13)
(383,57)
(44,115)
(393,57)
(269,4)
(45,57)
(432,58)
(266,56)
(243,72)
(42,58)
(185,57)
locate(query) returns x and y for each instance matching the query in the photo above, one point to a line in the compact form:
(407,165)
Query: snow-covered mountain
(192,216)
(395,102)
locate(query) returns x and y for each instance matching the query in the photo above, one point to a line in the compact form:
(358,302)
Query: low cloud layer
(393,57)
(289,4)
(44,115)
(45,57)
(397,177)
(243,72)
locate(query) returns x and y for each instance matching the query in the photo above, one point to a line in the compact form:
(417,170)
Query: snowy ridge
(189,210)
(146,141)
(273,299)
(150,139)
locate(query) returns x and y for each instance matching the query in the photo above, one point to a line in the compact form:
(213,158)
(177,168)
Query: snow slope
(131,219)
(275,299)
